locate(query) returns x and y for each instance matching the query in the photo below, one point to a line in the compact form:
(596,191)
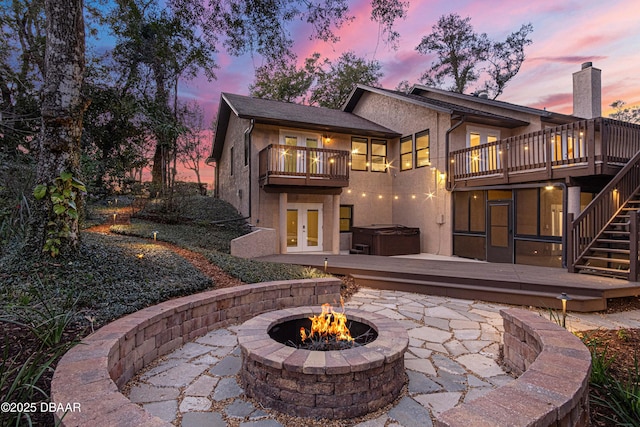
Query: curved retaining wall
(553,386)
(91,373)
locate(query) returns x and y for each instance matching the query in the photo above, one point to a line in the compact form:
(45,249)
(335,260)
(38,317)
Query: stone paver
(453,345)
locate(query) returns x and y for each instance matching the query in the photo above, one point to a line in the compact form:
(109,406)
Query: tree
(458,49)
(54,224)
(386,12)
(192,149)
(461,53)
(336,83)
(504,60)
(156,47)
(284,81)
(22,28)
(624,113)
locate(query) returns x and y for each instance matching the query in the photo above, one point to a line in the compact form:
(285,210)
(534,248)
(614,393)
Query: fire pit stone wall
(323,384)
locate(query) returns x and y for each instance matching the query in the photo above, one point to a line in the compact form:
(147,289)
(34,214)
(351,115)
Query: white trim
(301,235)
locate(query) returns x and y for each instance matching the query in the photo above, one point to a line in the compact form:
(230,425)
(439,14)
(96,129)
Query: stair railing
(633,245)
(591,222)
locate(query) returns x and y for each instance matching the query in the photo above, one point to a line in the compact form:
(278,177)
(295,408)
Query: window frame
(382,143)
(350,218)
(360,140)
(405,139)
(427,148)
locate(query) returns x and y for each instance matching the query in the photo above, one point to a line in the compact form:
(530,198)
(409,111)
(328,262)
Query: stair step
(611,250)
(602,270)
(485,293)
(607,260)
(616,232)
(619,241)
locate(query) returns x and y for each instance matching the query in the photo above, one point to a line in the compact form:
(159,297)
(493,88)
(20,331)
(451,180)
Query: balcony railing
(303,166)
(585,147)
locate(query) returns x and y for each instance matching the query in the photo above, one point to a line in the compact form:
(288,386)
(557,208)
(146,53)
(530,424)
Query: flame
(328,324)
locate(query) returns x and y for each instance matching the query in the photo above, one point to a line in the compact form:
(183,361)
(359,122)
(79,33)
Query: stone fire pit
(322,384)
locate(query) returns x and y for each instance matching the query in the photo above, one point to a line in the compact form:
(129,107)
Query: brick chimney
(587,92)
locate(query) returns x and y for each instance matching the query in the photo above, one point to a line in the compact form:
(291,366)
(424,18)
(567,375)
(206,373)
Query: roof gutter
(448,185)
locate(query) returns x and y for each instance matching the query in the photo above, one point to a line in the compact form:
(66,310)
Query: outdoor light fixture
(114,218)
(326,264)
(564,298)
(155,235)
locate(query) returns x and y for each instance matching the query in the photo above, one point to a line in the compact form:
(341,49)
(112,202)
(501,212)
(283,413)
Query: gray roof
(269,111)
(280,113)
(471,114)
(450,106)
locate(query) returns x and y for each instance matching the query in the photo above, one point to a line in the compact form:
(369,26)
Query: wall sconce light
(548,187)
(564,298)
(442,176)
(379,196)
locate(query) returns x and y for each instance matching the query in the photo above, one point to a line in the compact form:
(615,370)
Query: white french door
(304,227)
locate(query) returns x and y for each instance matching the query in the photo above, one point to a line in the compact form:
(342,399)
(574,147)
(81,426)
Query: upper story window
(485,158)
(378,155)
(422,149)
(479,136)
(406,153)
(300,139)
(359,154)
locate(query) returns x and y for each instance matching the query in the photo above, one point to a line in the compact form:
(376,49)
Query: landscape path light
(564,298)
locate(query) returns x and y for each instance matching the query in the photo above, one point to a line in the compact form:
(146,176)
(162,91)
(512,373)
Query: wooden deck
(505,283)
(583,148)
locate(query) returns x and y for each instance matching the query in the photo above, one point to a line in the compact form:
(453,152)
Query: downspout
(247,141)
(446,151)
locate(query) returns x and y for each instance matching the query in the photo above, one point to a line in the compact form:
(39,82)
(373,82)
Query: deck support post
(282,222)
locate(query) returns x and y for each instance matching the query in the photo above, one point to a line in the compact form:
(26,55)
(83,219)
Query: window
(378,155)
(406,153)
(487,157)
(359,154)
(422,149)
(232,158)
(346,218)
(469,211)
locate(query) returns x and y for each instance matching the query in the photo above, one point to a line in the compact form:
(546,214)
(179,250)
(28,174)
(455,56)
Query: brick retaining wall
(92,372)
(553,386)
(552,390)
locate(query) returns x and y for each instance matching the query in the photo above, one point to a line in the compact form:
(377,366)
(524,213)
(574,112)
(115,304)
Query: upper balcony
(588,147)
(292,166)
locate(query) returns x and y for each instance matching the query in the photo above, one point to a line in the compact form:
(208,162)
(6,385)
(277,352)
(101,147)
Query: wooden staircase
(609,255)
(603,239)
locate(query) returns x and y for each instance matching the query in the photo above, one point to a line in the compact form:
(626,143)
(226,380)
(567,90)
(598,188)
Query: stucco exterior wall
(234,188)
(418,196)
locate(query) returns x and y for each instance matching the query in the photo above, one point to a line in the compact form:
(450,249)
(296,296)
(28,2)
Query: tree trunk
(62,110)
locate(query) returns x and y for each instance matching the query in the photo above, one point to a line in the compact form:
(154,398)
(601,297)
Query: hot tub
(387,240)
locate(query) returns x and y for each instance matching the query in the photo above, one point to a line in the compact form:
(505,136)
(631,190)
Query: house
(480,178)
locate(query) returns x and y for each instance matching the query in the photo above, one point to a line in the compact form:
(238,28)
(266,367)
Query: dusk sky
(566,34)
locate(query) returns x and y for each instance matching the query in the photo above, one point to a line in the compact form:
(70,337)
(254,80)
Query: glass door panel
(292,228)
(312,228)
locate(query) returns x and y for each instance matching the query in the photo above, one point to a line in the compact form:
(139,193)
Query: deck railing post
(633,246)
(571,262)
